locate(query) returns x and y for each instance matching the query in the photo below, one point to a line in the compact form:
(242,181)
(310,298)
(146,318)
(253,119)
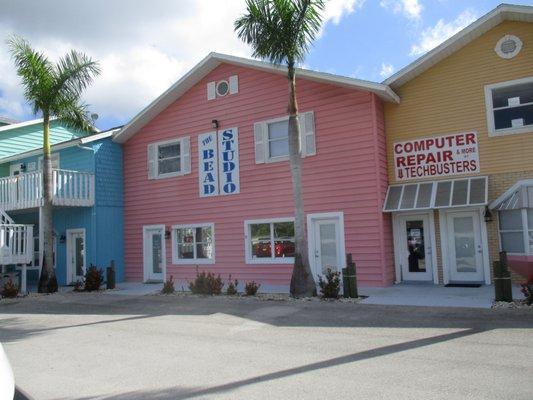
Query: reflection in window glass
(272,240)
(194,243)
(278,139)
(168,158)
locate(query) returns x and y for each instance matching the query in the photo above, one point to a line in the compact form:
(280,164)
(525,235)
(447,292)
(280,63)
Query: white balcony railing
(16,244)
(70,188)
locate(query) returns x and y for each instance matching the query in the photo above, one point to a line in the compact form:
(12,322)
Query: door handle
(316,254)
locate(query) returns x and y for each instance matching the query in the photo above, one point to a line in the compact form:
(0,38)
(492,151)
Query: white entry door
(154,253)
(465,248)
(413,252)
(327,244)
(76,260)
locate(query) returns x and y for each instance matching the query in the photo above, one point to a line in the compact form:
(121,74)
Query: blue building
(88,201)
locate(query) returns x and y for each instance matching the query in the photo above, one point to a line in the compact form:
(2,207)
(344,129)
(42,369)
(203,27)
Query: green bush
(94,277)
(10,290)
(168,286)
(331,285)
(231,290)
(251,288)
(206,283)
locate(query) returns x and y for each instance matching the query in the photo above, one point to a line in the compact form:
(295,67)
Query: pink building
(207,179)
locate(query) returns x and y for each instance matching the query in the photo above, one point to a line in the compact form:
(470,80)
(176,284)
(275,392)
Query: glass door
(76,254)
(327,253)
(465,246)
(414,253)
(154,254)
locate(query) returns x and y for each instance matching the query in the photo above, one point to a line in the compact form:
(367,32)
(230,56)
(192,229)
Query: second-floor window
(169,158)
(510,107)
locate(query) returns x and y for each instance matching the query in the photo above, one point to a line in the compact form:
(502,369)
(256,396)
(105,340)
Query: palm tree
(54,90)
(281,31)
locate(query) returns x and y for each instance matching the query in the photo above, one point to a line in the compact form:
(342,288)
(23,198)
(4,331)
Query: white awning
(437,194)
(520,195)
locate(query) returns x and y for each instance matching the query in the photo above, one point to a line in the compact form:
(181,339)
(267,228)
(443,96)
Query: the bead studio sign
(446,155)
(218,156)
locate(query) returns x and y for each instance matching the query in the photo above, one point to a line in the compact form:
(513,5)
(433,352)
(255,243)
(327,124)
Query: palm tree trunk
(47,281)
(302,282)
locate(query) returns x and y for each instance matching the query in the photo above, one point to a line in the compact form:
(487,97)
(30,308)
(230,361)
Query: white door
(327,246)
(154,253)
(76,254)
(465,246)
(414,248)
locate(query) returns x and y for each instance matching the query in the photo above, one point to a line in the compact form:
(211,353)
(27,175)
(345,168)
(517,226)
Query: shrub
(10,290)
(168,286)
(330,286)
(527,290)
(231,290)
(251,288)
(206,283)
(93,279)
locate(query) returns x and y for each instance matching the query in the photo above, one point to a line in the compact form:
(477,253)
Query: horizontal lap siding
(341,177)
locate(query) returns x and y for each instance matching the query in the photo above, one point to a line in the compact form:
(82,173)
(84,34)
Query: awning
(437,194)
(520,195)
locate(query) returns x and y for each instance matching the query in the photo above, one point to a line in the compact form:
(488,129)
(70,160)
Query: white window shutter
(307,134)
(185,147)
(152,161)
(233,84)
(260,142)
(211,91)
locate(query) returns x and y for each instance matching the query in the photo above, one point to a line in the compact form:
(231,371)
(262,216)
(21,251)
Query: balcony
(70,188)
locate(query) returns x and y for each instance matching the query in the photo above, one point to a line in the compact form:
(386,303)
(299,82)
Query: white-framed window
(269,241)
(510,107)
(169,158)
(516,230)
(193,244)
(272,138)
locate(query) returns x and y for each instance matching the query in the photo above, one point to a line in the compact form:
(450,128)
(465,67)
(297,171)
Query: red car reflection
(282,248)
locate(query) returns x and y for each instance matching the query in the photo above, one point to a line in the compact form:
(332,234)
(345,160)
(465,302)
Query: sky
(145,46)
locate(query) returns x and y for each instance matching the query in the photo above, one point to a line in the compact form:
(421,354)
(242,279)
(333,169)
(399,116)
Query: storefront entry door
(415,250)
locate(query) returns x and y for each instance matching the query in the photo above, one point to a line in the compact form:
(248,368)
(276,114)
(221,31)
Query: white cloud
(386,70)
(432,37)
(143,46)
(412,9)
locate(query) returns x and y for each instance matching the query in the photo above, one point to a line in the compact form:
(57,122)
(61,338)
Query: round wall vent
(508,46)
(222,88)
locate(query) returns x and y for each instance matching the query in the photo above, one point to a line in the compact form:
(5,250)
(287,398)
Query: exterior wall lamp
(487,215)
(167,234)
(214,123)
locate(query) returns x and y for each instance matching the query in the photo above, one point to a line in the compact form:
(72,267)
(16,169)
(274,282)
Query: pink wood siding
(348,174)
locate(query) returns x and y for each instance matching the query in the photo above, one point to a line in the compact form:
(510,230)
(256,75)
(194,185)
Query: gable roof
(7,121)
(504,12)
(213,60)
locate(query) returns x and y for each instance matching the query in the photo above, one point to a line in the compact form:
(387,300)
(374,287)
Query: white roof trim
(504,12)
(213,60)
(510,192)
(21,124)
(62,145)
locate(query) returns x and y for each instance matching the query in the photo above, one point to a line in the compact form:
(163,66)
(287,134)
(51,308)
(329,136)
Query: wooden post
(349,278)
(23,282)
(503,289)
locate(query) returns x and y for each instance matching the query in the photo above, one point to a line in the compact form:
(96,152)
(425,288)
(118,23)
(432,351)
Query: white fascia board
(505,195)
(21,124)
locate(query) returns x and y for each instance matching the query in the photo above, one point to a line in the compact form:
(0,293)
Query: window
(510,107)
(272,138)
(270,241)
(508,47)
(169,158)
(511,231)
(193,244)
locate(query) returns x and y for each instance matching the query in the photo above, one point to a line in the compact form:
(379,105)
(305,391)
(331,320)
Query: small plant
(206,283)
(168,286)
(231,290)
(251,288)
(93,279)
(10,290)
(330,286)
(79,286)
(527,290)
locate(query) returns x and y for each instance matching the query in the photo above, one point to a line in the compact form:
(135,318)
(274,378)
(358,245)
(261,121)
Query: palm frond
(73,113)
(74,73)
(35,71)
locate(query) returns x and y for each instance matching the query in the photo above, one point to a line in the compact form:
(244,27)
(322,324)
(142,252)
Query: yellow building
(460,152)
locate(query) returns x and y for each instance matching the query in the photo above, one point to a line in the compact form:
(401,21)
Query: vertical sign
(228,162)
(208,164)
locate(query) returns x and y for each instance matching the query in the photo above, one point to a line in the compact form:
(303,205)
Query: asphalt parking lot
(98,346)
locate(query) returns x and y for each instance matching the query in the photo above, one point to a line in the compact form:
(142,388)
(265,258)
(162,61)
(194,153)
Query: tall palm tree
(54,90)
(281,31)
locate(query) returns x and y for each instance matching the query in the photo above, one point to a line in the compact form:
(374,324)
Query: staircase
(16,245)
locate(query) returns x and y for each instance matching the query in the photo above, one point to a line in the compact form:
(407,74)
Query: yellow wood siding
(450,97)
